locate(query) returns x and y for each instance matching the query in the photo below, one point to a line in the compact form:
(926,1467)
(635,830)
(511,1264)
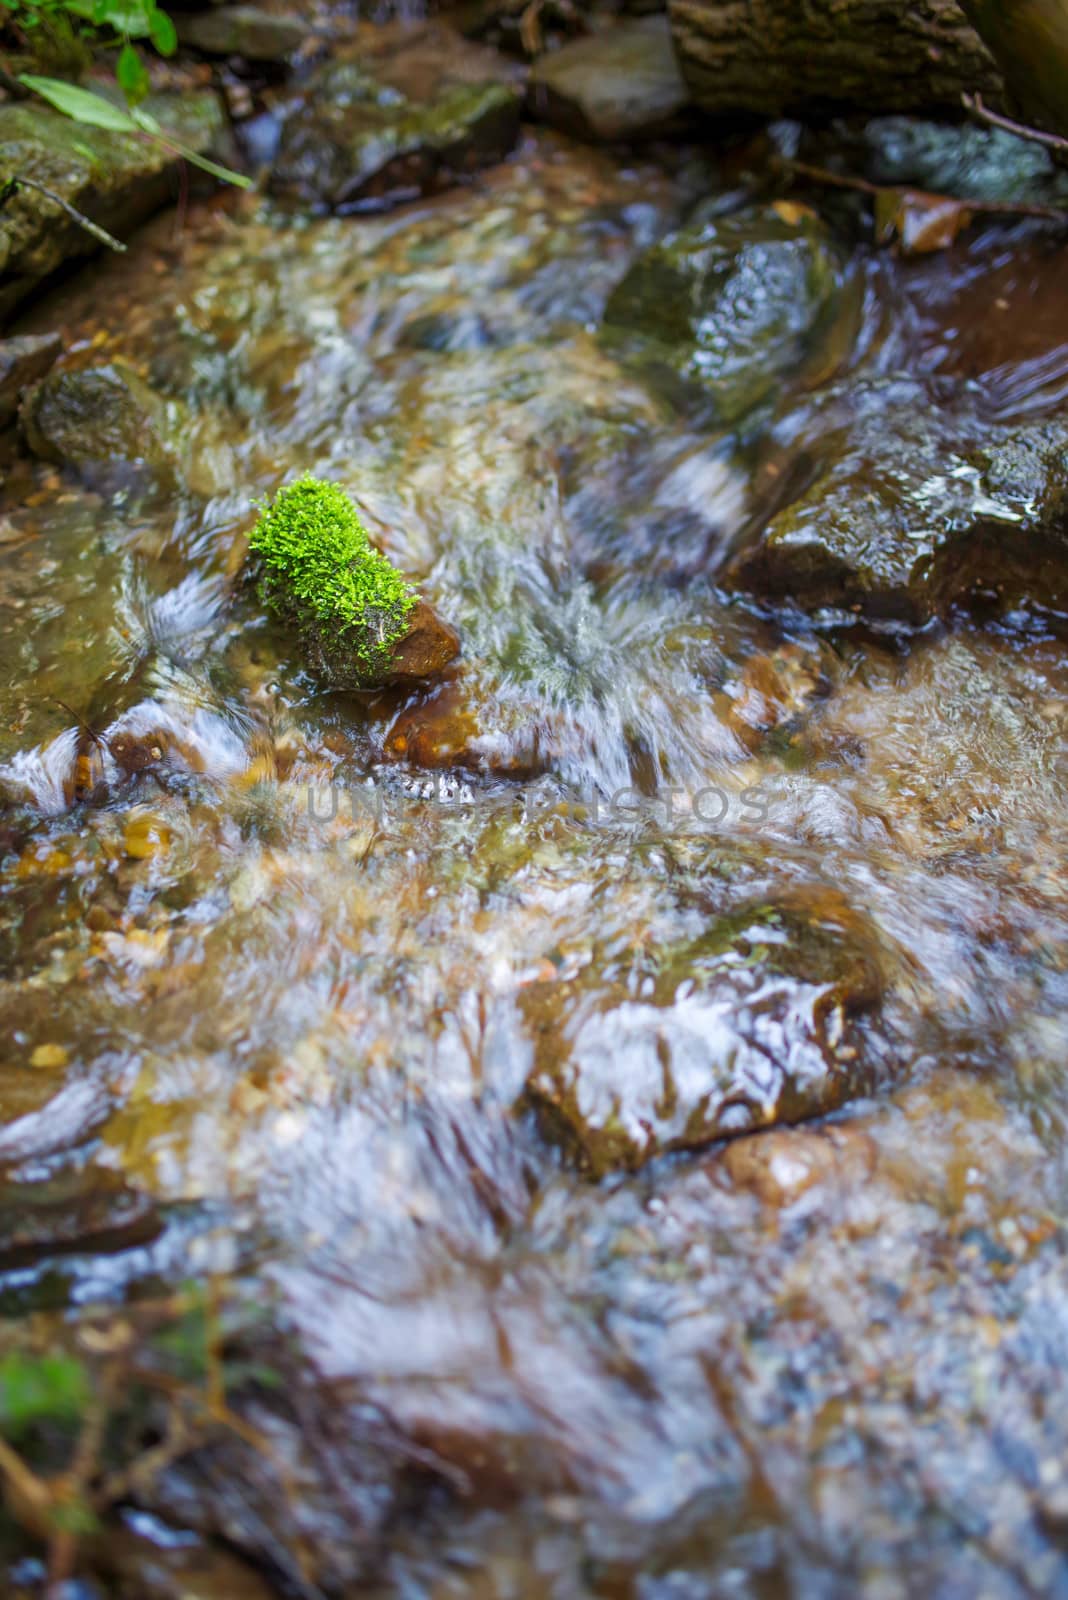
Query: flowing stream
(377,1011)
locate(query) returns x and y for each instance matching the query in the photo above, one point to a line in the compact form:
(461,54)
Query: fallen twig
(12,185)
(973,104)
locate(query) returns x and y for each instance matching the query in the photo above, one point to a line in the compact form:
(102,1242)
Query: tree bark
(811,57)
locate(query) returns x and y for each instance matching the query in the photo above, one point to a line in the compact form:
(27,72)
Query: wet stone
(100,414)
(781,1165)
(730,306)
(966,161)
(461,723)
(426,648)
(910,511)
(752,1023)
(620,84)
(367,135)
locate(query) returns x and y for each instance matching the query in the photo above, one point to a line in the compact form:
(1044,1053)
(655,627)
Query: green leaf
(146,121)
(81,104)
(163,33)
(224,174)
(45,1388)
(132,76)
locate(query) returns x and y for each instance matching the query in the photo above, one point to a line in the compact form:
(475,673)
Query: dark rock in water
(730,305)
(99,414)
(116,179)
(898,524)
(467,723)
(375,131)
(22,362)
(75,1211)
(749,1024)
(621,84)
(243,31)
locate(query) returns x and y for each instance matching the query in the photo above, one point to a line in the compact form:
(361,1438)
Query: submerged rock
(22,362)
(749,1024)
(116,179)
(98,414)
(623,83)
(361,624)
(731,305)
(374,131)
(898,524)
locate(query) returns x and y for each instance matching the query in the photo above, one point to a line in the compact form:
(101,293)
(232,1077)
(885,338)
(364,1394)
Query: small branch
(102,234)
(973,104)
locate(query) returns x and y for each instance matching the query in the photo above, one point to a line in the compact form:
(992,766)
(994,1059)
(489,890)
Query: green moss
(318,568)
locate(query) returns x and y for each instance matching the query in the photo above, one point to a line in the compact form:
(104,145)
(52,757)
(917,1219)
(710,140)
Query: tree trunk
(807,57)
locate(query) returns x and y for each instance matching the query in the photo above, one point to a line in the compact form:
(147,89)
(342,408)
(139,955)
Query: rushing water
(283,961)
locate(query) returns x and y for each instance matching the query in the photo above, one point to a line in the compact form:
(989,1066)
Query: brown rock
(22,361)
(783,1164)
(426,649)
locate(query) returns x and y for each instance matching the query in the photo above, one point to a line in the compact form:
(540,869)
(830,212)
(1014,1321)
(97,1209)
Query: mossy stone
(729,305)
(361,623)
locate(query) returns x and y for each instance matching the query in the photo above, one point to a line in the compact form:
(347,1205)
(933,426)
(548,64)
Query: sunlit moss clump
(317,568)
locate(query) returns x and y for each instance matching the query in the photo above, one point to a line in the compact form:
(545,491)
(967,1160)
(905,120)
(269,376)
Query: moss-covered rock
(909,510)
(115,179)
(355,141)
(751,1023)
(360,622)
(730,305)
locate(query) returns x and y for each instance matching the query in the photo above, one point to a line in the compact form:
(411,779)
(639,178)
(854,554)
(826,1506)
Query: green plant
(112,24)
(318,567)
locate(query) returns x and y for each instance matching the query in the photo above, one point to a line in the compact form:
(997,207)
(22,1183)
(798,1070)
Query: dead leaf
(920,222)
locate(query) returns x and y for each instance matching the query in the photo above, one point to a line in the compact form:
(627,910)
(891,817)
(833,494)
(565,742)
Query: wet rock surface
(621,84)
(426,647)
(896,526)
(98,414)
(746,1025)
(280,963)
(114,179)
(380,128)
(730,304)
